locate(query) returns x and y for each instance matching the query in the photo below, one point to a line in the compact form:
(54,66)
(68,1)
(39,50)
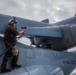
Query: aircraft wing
(39,34)
(4,19)
(49,31)
(71,20)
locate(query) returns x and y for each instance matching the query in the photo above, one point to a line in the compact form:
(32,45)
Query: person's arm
(21,33)
(13,30)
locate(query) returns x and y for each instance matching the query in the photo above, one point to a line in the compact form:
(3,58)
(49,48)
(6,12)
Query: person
(10,42)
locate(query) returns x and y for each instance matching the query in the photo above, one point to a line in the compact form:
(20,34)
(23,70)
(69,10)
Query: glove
(15,51)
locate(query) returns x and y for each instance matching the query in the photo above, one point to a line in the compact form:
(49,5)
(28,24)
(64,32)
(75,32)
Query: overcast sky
(54,10)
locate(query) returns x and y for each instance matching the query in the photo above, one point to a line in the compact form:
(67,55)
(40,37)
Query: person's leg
(14,62)
(4,62)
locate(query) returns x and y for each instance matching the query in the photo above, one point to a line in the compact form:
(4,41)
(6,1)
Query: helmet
(12,22)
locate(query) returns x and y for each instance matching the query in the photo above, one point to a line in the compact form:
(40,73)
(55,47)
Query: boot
(3,65)
(14,62)
(5,70)
(16,66)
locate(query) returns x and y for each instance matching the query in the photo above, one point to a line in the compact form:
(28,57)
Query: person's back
(10,35)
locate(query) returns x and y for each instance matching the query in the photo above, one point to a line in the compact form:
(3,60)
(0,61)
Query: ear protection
(12,21)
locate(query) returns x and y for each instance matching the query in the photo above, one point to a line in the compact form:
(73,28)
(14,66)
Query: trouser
(8,55)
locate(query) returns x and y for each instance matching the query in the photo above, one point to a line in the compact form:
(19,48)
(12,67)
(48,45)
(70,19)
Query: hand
(23,30)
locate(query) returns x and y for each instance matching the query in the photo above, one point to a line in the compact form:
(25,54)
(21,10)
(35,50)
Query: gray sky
(55,10)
